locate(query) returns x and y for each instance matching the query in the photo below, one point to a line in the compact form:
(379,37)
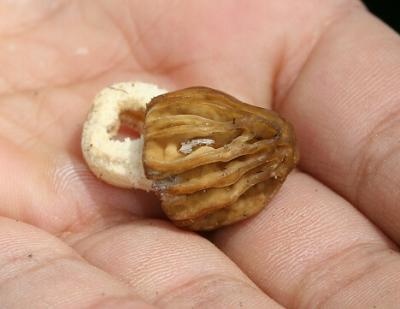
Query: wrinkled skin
(330,236)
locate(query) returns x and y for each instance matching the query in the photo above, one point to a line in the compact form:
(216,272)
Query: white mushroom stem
(115,161)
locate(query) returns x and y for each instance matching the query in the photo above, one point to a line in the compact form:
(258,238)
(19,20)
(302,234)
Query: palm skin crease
(328,239)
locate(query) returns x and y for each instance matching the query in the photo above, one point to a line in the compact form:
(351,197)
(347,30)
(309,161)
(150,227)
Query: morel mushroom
(213,159)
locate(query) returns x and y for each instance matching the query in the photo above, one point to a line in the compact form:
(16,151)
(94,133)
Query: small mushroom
(212,159)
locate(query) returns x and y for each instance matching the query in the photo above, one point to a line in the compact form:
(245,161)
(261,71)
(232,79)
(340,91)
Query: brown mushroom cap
(213,159)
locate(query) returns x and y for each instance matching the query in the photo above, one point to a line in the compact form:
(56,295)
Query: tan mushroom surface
(213,159)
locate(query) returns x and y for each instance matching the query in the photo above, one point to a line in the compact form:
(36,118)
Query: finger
(310,249)
(38,271)
(345,107)
(170,268)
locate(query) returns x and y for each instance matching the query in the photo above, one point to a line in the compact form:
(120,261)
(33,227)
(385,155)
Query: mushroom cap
(213,159)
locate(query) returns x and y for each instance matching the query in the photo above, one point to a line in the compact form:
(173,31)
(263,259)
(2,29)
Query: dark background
(387,11)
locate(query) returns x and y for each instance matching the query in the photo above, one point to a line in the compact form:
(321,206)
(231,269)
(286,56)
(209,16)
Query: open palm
(327,240)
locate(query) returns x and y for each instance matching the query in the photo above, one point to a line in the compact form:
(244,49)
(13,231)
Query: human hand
(328,239)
